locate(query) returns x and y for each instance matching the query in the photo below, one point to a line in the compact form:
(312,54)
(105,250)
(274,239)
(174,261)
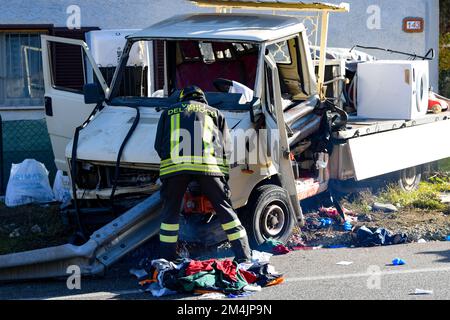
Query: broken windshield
(179,64)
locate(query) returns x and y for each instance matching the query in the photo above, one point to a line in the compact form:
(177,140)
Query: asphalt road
(309,275)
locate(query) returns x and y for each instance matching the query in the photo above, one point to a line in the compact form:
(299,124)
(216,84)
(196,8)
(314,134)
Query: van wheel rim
(274,218)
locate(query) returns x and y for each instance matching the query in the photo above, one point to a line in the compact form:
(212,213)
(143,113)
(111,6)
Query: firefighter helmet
(192,93)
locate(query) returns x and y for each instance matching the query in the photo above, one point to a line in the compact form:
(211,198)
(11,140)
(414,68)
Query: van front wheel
(268,215)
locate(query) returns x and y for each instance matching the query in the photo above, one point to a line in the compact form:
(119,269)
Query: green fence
(26,139)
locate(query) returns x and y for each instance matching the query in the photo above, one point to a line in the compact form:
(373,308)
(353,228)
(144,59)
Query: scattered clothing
(348,226)
(250,277)
(326,223)
(205,277)
(398,262)
(274,247)
(280,250)
(240,295)
(269,245)
(261,257)
(313,224)
(305,248)
(296,241)
(366,237)
(212,296)
(227,267)
(265,274)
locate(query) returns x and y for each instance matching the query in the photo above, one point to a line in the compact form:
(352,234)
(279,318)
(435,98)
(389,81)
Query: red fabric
(280,249)
(250,277)
(190,49)
(221,46)
(250,62)
(227,267)
(203,75)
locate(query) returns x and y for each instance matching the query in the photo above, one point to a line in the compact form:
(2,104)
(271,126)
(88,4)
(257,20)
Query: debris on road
(344,263)
(213,296)
(348,226)
(423,292)
(398,262)
(386,208)
(162,278)
(422,241)
(269,245)
(447,238)
(371,237)
(261,257)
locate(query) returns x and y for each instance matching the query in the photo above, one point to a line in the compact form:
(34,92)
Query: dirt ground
(34,226)
(416,224)
(31,227)
(426,224)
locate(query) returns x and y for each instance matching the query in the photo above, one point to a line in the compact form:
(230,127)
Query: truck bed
(358,127)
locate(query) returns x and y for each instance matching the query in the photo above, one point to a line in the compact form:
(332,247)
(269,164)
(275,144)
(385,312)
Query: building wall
(345,29)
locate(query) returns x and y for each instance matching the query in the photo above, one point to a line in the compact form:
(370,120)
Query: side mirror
(93,93)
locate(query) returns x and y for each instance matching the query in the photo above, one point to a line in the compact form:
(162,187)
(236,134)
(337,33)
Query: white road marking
(365,274)
(95,295)
(114,294)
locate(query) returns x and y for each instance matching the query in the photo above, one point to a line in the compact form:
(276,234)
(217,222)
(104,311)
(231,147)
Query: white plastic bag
(28,183)
(61,188)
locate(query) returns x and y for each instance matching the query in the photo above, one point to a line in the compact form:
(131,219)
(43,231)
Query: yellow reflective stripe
(168,239)
(196,165)
(237,235)
(175,135)
(208,166)
(170,227)
(193,167)
(231,225)
(178,134)
(194,159)
(172,134)
(208,136)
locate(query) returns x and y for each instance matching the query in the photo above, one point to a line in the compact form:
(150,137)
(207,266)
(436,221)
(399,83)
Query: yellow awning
(273,5)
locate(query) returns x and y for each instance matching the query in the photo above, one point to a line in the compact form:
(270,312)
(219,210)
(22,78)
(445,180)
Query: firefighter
(193,143)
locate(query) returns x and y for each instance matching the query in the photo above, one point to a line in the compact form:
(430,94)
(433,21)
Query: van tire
(269,215)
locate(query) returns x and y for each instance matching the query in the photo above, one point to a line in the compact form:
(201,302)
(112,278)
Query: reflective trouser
(218,193)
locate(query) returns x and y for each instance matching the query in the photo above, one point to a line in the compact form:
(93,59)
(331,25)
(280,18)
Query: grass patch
(426,197)
(444,165)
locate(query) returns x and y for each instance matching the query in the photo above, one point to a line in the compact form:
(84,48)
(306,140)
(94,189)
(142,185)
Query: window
(21,76)
(280,52)
(70,68)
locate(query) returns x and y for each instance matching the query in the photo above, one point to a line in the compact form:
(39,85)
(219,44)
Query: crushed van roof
(238,27)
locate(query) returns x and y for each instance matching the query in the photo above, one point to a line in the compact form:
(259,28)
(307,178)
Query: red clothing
(227,267)
(250,277)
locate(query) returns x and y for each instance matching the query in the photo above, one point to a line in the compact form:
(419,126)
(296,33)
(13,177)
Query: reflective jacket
(193,138)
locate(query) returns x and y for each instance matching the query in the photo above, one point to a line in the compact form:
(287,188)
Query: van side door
(64,100)
(278,145)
